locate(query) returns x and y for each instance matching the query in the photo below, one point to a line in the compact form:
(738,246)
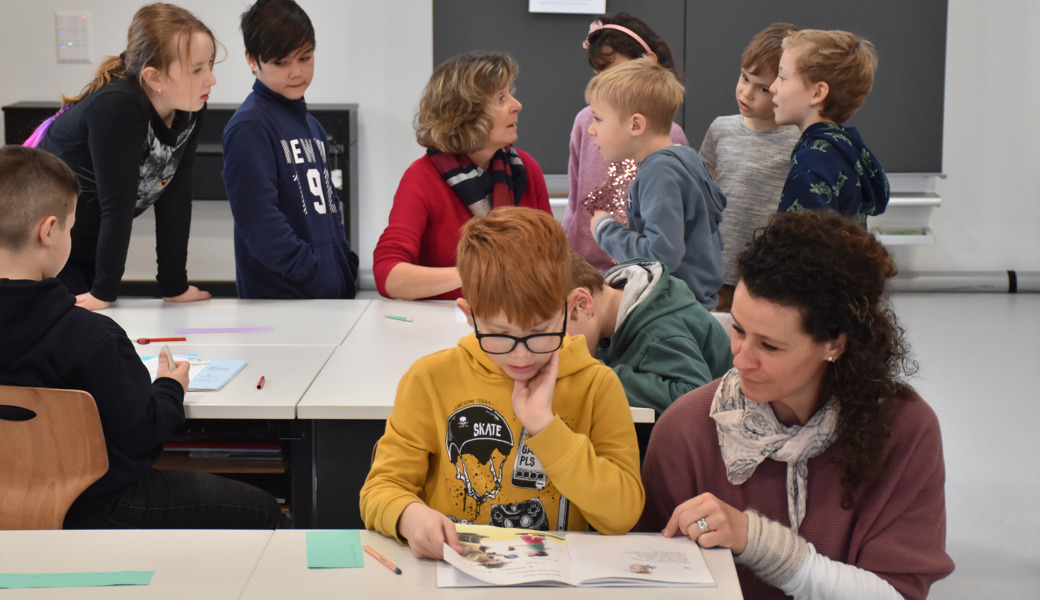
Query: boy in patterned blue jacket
(823,79)
(289,235)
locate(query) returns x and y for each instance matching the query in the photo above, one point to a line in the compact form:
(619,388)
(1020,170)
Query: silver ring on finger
(702,524)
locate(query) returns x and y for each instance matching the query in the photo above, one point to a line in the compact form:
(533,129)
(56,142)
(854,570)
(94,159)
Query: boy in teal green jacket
(649,328)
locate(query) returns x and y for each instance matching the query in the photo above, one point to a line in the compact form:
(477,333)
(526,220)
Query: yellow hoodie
(454,443)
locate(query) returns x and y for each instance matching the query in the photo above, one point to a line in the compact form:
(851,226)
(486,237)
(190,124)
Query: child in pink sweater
(594,183)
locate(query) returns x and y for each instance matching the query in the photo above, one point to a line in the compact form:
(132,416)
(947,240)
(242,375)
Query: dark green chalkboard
(902,121)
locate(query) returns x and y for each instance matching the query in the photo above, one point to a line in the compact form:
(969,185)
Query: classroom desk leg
(301,451)
(342,457)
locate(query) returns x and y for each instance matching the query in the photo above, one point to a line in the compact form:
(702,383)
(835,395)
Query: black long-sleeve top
(127,159)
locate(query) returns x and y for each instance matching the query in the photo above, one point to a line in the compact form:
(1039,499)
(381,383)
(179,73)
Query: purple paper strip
(227,330)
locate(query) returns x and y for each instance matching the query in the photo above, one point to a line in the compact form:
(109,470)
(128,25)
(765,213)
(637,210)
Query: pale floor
(978,354)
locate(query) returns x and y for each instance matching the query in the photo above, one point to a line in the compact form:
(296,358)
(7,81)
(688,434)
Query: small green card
(338,549)
(69,580)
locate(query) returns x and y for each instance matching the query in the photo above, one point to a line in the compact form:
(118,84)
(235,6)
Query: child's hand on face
(532,399)
(426,531)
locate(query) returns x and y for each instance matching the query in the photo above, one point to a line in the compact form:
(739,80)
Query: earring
(159,90)
(812,105)
(831,359)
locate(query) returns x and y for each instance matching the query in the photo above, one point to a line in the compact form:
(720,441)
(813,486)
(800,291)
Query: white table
(294,341)
(195,564)
(282,573)
(287,370)
(360,380)
(310,322)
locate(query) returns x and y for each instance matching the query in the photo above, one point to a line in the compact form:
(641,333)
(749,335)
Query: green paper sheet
(69,580)
(339,549)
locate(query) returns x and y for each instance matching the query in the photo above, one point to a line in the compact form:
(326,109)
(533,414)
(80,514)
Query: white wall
(991,197)
(379,54)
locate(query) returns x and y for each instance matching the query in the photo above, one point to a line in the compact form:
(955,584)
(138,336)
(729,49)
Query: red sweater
(897,528)
(426,218)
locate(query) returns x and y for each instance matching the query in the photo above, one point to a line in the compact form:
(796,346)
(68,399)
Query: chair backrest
(52,448)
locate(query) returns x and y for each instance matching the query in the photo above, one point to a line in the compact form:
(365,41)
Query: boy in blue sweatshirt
(289,236)
(674,206)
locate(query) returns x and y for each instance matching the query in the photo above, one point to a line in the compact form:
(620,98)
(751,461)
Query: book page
(637,559)
(215,375)
(500,556)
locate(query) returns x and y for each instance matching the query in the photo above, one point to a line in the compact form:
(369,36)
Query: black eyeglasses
(539,343)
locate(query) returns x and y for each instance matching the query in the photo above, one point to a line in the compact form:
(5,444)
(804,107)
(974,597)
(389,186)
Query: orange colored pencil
(382,559)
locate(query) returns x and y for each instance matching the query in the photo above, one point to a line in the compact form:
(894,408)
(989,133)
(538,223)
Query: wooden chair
(52,448)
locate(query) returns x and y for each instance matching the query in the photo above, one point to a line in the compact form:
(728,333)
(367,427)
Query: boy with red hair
(517,426)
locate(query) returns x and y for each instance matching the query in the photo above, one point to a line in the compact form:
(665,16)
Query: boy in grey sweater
(674,206)
(748,154)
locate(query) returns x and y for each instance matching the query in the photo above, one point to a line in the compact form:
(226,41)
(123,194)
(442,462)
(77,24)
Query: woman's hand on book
(710,522)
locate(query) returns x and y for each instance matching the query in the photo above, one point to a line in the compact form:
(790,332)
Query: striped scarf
(480,191)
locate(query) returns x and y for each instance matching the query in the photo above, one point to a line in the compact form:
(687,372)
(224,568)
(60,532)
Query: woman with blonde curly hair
(467,121)
(812,460)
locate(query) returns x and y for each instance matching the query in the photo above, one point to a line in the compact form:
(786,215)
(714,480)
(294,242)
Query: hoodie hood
(648,287)
(714,198)
(28,311)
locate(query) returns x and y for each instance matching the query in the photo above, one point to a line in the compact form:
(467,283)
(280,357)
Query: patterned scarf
(479,190)
(749,433)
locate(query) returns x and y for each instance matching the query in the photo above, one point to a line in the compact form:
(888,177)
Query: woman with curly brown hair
(812,459)
(467,121)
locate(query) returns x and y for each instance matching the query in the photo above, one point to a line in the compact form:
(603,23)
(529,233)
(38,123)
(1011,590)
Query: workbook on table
(499,556)
(204,374)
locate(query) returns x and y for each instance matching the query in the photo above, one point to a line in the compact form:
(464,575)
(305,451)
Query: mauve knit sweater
(897,528)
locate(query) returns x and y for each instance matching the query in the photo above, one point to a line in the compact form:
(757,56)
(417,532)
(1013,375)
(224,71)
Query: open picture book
(499,556)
